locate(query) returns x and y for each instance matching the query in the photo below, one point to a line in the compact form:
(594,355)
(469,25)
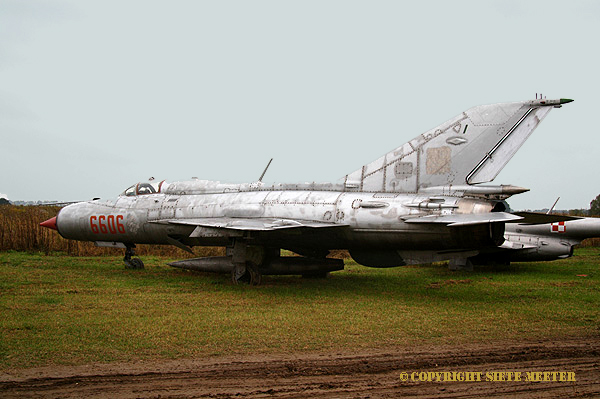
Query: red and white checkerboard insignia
(558,227)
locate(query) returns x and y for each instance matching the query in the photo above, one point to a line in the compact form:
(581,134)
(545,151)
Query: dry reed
(20,230)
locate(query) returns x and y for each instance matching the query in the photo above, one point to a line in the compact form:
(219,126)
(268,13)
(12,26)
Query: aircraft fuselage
(364,220)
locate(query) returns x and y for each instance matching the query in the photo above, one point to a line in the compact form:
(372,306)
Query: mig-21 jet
(535,242)
(421,202)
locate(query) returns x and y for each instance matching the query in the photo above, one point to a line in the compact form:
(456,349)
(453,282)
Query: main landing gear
(246,260)
(245,273)
(132,263)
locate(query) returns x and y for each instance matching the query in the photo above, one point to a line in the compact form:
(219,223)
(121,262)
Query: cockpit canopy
(145,188)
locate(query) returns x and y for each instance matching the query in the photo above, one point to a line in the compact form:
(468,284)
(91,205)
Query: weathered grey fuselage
(359,221)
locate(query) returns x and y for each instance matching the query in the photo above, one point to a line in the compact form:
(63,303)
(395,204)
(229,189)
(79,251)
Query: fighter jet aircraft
(541,242)
(421,202)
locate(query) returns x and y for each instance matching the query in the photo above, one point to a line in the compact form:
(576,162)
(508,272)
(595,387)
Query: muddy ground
(364,374)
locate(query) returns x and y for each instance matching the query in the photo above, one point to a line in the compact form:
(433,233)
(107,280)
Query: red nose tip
(50,223)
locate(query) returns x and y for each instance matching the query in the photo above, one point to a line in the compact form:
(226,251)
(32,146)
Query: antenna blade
(551,209)
(265,171)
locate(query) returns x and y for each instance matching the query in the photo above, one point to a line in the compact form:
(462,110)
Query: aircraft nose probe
(50,224)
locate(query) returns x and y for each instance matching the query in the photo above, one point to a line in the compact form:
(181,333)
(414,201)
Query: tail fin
(469,149)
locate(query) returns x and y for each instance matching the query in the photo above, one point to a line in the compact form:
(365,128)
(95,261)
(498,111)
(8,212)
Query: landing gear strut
(132,263)
(245,261)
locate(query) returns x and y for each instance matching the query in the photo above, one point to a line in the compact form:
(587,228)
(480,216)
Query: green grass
(67,310)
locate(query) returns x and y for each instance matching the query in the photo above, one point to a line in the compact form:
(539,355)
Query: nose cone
(50,223)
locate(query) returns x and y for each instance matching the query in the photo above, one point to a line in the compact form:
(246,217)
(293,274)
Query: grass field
(70,310)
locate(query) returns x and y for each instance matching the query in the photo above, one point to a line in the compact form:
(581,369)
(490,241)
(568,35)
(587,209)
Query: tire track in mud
(372,374)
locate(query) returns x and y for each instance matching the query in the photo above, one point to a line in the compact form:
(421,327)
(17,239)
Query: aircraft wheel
(255,276)
(238,273)
(245,273)
(134,263)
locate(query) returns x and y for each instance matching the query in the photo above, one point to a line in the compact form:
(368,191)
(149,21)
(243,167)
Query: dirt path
(366,374)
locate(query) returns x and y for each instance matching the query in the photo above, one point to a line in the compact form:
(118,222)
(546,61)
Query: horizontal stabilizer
(541,218)
(467,219)
(252,224)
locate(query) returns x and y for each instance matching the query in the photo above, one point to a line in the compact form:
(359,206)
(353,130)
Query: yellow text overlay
(489,376)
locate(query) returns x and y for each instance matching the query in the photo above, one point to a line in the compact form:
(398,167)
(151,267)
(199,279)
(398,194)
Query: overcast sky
(97,95)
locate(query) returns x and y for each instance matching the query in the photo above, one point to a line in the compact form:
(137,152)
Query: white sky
(97,95)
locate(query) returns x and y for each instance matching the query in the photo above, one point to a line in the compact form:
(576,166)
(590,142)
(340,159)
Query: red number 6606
(107,224)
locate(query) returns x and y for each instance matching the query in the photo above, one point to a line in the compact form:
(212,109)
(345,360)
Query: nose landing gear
(132,263)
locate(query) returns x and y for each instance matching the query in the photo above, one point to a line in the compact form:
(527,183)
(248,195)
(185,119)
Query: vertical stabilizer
(468,149)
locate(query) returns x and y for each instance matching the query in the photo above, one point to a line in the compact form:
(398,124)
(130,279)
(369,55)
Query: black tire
(134,263)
